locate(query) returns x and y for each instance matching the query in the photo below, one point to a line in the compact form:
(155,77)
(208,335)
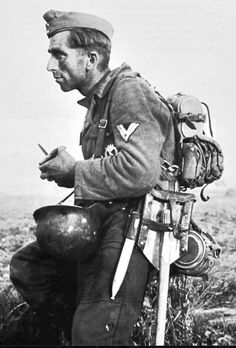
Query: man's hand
(58,166)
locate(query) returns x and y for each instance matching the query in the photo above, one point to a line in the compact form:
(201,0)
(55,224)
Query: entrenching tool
(161,232)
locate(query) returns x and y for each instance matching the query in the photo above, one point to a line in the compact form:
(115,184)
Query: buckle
(173,169)
(102,123)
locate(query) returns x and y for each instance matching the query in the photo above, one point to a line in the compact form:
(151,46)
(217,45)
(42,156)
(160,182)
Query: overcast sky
(183,46)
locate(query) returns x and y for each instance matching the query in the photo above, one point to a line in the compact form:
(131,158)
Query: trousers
(97,320)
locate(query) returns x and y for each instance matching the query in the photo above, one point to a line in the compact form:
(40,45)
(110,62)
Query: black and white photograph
(117,180)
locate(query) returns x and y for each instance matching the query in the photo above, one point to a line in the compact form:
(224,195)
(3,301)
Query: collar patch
(127,129)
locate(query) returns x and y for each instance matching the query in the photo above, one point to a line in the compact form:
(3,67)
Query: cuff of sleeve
(87,185)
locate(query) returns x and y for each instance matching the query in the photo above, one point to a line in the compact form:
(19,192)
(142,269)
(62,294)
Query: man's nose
(52,64)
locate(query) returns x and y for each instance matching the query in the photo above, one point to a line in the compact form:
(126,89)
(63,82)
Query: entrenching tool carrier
(160,230)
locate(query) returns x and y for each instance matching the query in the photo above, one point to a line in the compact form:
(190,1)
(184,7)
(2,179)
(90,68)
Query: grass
(191,319)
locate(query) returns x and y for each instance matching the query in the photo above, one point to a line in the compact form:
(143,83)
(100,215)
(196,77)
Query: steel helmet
(68,232)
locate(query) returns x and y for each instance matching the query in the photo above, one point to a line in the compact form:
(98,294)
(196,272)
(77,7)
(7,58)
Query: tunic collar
(102,86)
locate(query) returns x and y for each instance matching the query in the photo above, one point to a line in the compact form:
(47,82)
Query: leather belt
(131,201)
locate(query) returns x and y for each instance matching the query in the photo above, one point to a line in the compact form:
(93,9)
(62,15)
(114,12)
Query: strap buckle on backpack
(173,169)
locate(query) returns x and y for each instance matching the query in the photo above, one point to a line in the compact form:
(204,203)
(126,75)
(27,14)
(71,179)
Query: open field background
(200,312)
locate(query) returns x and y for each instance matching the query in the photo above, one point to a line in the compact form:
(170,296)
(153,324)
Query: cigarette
(44,151)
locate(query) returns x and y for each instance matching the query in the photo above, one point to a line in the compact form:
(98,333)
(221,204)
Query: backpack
(199,156)
(199,160)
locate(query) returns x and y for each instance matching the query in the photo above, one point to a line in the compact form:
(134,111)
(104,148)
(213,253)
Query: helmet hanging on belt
(68,232)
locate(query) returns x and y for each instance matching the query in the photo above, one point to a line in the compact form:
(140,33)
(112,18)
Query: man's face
(68,65)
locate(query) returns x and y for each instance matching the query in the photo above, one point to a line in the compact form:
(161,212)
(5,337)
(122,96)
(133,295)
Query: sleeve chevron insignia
(126,129)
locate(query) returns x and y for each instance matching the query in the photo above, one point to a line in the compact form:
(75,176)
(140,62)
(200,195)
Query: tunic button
(109,327)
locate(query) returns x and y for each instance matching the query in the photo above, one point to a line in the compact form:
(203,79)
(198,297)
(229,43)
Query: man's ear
(93,60)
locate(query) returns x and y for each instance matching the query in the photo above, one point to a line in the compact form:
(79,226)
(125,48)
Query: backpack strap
(209,118)
(169,168)
(102,126)
(103,122)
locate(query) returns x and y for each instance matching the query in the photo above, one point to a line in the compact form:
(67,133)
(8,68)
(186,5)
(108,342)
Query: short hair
(89,40)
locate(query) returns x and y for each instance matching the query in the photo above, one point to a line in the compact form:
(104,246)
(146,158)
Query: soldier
(118,169)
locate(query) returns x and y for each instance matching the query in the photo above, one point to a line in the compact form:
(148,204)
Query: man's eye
(59,56)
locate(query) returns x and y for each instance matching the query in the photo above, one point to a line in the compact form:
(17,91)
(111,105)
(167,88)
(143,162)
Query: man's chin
(65,88)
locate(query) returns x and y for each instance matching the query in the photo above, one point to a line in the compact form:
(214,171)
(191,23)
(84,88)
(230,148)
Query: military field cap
(57,21)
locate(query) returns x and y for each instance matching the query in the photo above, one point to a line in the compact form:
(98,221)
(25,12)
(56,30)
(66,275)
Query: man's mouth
(57,77)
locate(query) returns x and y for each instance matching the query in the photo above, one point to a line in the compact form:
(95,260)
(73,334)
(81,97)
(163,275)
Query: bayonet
(125,256)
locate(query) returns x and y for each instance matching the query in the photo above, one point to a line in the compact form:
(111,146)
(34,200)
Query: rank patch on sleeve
(126,129)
